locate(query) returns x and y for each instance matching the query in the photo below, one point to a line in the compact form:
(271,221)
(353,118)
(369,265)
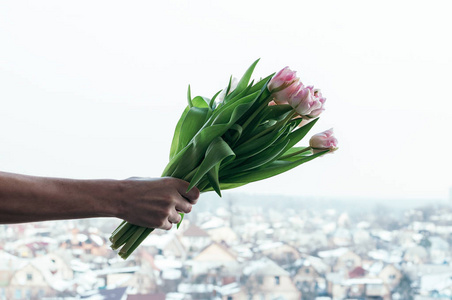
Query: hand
(155,202)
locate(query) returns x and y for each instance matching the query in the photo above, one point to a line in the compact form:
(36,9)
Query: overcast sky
(93,89)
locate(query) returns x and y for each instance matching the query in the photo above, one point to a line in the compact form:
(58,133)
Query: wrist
(96,198)
(109,198)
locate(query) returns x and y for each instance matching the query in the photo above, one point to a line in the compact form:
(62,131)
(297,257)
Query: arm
(151,203)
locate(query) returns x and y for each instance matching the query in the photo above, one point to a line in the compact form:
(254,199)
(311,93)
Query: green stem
(269,129)
(123,226)
(124,238)
(295,153)
(132,240)
(256,112)
(119,227)
(144,235)
(120,231)
(202,185)
(190,175)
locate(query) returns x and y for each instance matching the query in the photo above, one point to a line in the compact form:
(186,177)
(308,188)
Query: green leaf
(225,186)
(213,177)
(275,168)
(234,133)
(276,112)
(255,147)
(201,102)
(294,151)
(258,86)
(193,122)
(243,83)
(182,217)
(294,123)
(174,162)
(242,93)
(221,120)
(252,119)
(258,145)
(296,157)
(237,128)
(262,158)
(300,133)
(190,104)
(217,151)
(269,125)
(212,102)
(175,143)
(229,86)
(223,113)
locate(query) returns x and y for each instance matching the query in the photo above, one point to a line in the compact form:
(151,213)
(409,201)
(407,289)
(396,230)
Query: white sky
(93,89)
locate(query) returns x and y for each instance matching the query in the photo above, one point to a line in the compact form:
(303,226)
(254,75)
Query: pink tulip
(284,96)
(282,80)
(288,89)
(319,99)
(324,140)
(307,102)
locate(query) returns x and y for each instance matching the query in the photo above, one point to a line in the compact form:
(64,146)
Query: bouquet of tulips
(245,133)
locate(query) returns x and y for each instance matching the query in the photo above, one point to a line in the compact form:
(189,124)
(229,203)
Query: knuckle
(167,212)
(196,193)
(168,199)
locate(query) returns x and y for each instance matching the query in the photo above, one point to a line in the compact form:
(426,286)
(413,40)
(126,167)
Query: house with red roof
(195,238)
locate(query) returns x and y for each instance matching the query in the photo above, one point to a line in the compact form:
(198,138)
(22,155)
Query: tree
(404,289)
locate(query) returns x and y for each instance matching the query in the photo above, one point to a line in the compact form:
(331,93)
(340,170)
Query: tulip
(319,100)
(282,80)
(324,141)
(307,102)
(286,95)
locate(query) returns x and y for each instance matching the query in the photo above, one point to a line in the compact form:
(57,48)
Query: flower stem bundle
(243,134)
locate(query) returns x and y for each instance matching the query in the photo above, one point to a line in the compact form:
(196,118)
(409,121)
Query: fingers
(174,217)
(191,195)
(158,201)
(183,205)
(167,225)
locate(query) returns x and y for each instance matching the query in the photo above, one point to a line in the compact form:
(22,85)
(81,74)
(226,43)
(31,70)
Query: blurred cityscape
(241,247)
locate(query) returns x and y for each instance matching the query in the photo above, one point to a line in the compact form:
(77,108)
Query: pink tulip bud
(323,141)
(282,80)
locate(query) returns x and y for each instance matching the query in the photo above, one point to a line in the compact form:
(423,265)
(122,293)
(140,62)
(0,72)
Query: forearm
(29,198)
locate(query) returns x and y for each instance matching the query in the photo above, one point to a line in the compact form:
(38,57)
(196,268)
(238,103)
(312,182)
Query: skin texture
(153,203)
